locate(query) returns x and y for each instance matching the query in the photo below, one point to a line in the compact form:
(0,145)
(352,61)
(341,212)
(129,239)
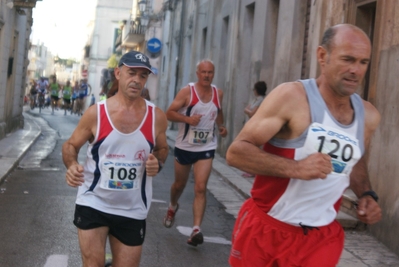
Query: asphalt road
(36,212)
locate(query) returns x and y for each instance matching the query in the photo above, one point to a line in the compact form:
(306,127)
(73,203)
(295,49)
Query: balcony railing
(132,34)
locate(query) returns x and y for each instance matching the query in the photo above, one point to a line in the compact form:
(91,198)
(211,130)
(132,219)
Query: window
(363,14)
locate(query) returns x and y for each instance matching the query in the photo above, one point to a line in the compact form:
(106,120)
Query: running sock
(172,207)
(196,227)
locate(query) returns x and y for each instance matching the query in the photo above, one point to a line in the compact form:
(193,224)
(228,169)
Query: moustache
(135,85)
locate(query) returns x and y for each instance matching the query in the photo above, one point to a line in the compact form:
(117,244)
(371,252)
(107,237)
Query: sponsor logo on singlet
(140,155)
(111,156)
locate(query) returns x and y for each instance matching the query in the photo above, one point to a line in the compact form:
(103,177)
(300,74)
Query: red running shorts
(259,240)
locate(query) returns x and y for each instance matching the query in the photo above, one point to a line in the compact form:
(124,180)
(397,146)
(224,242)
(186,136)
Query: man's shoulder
(289,89)
(187,87)
(372,115)
(184,91)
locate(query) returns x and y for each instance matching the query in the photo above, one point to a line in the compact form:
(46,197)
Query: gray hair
(203,61)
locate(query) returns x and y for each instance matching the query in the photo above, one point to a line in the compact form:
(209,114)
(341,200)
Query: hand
(151,165)
(74,175)
(222,131)
(315,166)
(194,119)
(368,210)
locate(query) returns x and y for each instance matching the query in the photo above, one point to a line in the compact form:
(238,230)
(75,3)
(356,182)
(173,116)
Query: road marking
(158,201)
(57,260)
(209,239)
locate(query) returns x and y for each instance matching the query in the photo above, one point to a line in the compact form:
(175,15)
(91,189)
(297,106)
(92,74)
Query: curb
(15,145)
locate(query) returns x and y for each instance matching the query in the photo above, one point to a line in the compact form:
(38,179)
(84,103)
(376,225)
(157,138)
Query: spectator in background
(105,78)
(92,100)
(84,91)
(113,90)
(33,94)
(260,93)
(75,93)
(54,91)
(107,82)
(66,96)
(145,94)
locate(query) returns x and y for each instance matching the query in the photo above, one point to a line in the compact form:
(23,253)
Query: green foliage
(113,61)
(66,62)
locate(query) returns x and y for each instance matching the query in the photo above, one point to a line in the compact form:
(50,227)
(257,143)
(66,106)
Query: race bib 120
(343,148)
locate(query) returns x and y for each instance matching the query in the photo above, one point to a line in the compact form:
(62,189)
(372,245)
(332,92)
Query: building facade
(142,31)
(276,41)
(103,32)
(15,28)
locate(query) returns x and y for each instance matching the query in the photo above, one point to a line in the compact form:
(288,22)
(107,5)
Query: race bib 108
(119,175)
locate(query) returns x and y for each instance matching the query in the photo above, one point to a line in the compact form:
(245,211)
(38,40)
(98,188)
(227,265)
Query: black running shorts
(129,231)
(187,157)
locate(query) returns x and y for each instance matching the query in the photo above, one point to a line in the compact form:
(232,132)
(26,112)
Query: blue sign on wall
(154,70)
(154,45)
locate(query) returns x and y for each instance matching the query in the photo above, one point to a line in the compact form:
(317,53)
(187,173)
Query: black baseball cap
(135,59)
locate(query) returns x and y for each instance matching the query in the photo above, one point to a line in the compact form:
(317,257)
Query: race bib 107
(199,136)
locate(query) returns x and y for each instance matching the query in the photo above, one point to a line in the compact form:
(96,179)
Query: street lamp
(144,20)
(142,5)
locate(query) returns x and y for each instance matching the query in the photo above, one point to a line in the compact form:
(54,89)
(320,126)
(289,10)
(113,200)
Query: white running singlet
(314,202)
(115,179)
(201,137)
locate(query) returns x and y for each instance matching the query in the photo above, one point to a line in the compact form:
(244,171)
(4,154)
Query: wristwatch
(372,194)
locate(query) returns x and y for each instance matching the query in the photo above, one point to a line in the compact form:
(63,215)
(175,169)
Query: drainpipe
(179,51)
(180,44)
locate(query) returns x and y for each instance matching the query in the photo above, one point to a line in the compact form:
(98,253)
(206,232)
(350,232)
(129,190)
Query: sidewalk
(361,249)
(14,146)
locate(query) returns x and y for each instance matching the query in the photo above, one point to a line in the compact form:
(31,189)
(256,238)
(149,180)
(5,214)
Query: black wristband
(372,194)
(160,165)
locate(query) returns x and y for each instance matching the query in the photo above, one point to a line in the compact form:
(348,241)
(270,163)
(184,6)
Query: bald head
(331,35)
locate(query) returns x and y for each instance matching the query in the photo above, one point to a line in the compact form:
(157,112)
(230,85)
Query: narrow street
(37,209)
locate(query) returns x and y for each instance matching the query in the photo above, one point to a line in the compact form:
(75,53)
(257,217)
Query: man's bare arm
(161,149)
(180,101)
(368,210)
(84,132)
(220,118)
(274,113)
(359,178)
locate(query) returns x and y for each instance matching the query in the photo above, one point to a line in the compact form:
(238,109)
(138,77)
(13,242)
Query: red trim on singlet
(215,99)
(194,97)
(105,126)
(146,128)
(267,190)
